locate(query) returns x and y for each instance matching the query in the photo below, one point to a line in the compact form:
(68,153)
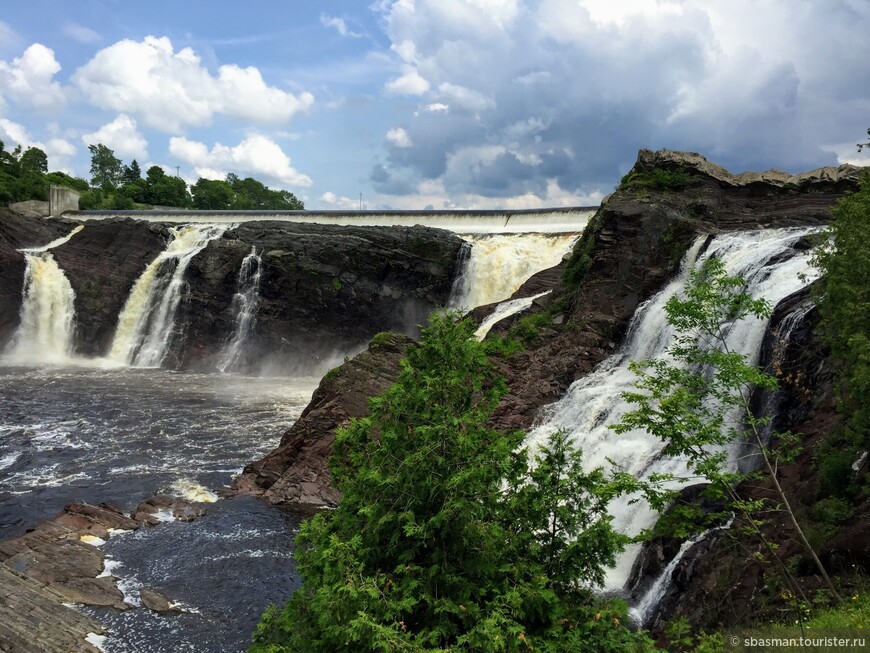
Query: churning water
(73,434)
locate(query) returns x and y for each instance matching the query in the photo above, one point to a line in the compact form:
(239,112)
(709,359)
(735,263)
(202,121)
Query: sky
(444,104)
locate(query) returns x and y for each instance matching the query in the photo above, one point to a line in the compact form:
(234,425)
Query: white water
(504,310)
(595,402)
(145,324)
(244,308)
(571,220)
(45,330)
(498,265)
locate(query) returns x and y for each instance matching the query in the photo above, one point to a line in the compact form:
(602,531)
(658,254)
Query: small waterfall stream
(244,308)
(773,270)
(505,310)
(145,324)
(45,331)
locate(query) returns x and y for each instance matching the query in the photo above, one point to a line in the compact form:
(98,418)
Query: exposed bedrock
(632,245)
(324,290)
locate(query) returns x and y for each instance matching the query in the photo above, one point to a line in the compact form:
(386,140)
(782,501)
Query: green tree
(861,146)
(34,160)
(212,194)
(844,304)
(106,168)
(444,540)
(132,173)
(165,190)
(697,401)
(251,194)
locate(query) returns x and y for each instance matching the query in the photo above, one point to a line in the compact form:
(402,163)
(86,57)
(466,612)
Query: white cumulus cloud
(257,156)
(122,136)
(409,83)
(29,79)
(340,25)
(169,90)
(399,137)
(58,150)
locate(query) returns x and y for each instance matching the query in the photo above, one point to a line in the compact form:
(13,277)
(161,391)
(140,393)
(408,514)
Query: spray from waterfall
(497,265)
(244,308)
(45,330)
(146,324)
(773,269)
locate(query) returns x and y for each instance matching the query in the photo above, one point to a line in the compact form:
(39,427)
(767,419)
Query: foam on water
(193,491)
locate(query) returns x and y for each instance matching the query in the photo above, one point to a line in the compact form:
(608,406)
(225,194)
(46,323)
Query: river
(122,435)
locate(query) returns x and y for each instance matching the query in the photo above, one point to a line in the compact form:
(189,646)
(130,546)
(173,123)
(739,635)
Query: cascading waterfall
(45,331)
(773,270)
(505,310)
(498,265)
(244,308)
(145,324)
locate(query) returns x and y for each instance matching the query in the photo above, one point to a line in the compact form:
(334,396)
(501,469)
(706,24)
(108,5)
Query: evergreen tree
(444,540)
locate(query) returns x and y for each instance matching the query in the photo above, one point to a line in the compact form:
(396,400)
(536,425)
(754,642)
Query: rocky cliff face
(633,244)
(324,289)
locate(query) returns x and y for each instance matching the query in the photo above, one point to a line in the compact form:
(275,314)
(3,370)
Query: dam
(558,220)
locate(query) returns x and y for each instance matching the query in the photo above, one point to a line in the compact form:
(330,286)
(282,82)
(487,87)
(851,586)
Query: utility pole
(177,168)
(360,201)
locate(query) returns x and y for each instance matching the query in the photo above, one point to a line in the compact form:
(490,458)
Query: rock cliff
(324,290)
(629,249)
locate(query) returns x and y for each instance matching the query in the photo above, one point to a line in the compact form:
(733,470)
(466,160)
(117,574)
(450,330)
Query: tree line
(114,184)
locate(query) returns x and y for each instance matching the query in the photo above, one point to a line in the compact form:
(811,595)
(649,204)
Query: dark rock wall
(324,289)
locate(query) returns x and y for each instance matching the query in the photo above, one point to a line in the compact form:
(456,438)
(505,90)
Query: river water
(122,435)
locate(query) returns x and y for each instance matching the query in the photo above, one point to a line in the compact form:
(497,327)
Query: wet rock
(103,516)
(296,473)
(186,511)
(154,600)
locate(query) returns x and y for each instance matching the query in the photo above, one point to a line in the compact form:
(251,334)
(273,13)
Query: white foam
(93,540)
(9,459)
(109,567)
(96,640)
(164,516)
(193,491)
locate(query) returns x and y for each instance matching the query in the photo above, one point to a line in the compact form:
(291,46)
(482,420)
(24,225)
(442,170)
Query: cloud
(257,156)
(169,90)
(399,137)
(340,202)
(409,83)
(58,150)
(339,25)
(122,136)
(29,79)
(81,34)
(549,98)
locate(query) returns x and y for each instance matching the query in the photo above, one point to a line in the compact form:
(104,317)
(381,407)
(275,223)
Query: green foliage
(106,168)
(581,258)
(445,539)
(252,195)
(381,338)
(527,327)
(496,345)
(696,400)
(211,194)
(844,304)
(34,160)
(659,179)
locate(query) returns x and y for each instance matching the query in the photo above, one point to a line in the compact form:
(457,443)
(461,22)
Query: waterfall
(772,268)
(45,330)
(146,323)
(244,308)
(498,265)
(504,310)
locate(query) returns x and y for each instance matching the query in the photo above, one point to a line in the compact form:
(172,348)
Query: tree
(844,304)
(212,194)
(34,160)
(131,173)
(861,146)
(251,194)
(105,167)
(696,401)
(164,190)
(444,540)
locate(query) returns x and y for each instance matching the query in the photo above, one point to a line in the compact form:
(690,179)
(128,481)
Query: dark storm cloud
(542,91)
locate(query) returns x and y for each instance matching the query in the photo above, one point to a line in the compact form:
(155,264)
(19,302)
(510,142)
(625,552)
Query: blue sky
(436,103)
